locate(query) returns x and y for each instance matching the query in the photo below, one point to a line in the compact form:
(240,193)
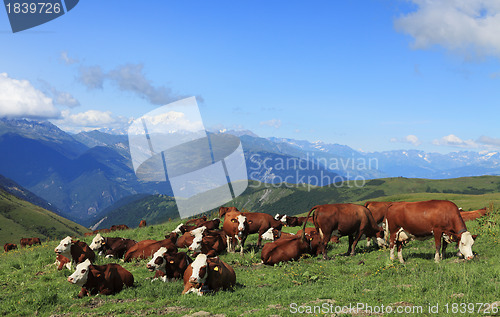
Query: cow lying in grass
(168,266)
(208,275)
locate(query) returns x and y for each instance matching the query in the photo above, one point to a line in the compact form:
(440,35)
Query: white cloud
(66,59)
(489,141)
(468,27)
(18,98)
(89,120)
(412,139)
(455,141)
(275,123)
(92,77)
(59,97)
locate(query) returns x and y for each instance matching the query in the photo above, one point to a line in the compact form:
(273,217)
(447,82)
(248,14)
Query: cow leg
(437,240)
(259,239)
(355,243)
(368,241)
(324,243)
(399,244)
(443,248)
(349,248)
(228,241)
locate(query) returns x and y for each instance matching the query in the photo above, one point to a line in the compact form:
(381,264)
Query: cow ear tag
(171,262)
(216,268)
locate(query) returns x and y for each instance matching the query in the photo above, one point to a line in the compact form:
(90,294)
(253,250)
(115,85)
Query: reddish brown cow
(291,221)
(289,248)
(196,221)
(103,279)
(88,234)
(343,220)
(142,224)
(111,247)
(118,227)
(168,266)
(77,250)
(224,210)
(209,242)
(312,231)
(235,227)
(146,248)
(471,215)
(29,241)
(62,261)
(208,275)
(259,222)
(425,219)
(9,246)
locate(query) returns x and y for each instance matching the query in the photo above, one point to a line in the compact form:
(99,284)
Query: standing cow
(9,246)
(426,219)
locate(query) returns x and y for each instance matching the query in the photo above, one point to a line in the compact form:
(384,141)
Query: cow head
(269,234)
(284,220)
(277,217)
(81,274)
(178,229)
(196,245)
(157,262)
(64,247)
(465,245)
(242,225)
(200,271)
(97,242)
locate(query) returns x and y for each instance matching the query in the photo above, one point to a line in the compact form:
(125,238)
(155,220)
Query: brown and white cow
(146,248)
(62,261)
(103,279)
(196,221)
(77,251)
(235,227)
(474,214)
(142,224)
(9,246)
(343,220)
(289,248)
(209,242)
(259,223)
(291,221)
(224,210)
(29,241)
(208,275)
(310,231)
(111,247)
(186,239)
(168,266)
(426,219)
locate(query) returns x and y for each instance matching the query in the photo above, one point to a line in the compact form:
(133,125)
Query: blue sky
(375,75)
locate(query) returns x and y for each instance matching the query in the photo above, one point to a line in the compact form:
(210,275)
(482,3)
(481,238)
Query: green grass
(30,284)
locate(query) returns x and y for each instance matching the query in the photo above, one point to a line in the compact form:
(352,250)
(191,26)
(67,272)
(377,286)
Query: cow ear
(474,236)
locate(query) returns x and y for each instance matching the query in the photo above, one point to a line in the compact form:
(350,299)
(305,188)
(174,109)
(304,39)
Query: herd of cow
(397,222)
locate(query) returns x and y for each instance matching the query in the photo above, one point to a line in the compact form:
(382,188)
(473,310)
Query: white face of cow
(178,230)
(465,245)
(156,263)
(277,217)
(200,267)
(283,219)
(241,222)
(64,247)
(196,245)
(197,231)
(268,235)
(97,242)
(81,274)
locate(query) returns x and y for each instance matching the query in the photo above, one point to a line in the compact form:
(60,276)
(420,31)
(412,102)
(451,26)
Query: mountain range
(82,175)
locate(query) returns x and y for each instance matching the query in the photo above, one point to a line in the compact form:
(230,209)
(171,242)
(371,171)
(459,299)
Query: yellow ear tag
(216,268)
(171,262)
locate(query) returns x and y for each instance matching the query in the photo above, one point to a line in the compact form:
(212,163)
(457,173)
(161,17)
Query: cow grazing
(168,266)
(146,248)
(103,279)
(9,246)
(235,227)
(289,248)
(142,224)
(343,220)
(426,219)
(471,215)
(196,221)
(209,242)
(111,247)
(77,251)
(29,242)
(208,275)
(62,261)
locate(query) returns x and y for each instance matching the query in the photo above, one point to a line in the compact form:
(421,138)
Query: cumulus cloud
(455,141)
(66,59)
(275,123)
(130,78)
(466,27)
(18,98)
(412,139)
(90,120)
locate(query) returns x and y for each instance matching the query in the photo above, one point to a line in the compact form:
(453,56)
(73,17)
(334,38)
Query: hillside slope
(19,218)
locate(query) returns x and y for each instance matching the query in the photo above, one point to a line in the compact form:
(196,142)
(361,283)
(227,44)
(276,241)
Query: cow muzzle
(150,267)
(70,279)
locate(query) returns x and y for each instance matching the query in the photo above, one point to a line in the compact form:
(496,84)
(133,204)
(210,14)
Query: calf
(77,251)
(103,279)
(168,266)
(343,220)
(208,274)
(9,246)
(111,247)
(142,224)
(426,219)
(62,261)
(235,227)
(146,248)
(288,249)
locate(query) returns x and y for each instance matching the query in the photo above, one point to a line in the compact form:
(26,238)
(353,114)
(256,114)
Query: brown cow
(29,241)
(224,210)
(289,248)
(425,219)
(62,261)
(259,222)
(471,215)
(235,227)
(379,210)
(103,279)
(310,231)
(146,248)
(343,220)
(168,266)
(210,242)
(118,227)
(196,221)
(208,275)
(142,224)
(111,247)
(77,251)
(186,239)
(9,246)
(291,221)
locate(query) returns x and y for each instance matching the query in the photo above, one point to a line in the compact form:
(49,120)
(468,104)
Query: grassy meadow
(31,285)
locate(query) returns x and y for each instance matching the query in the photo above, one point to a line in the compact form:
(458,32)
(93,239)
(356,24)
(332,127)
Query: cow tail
(305,223)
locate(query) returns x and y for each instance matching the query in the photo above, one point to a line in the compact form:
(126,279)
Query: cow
(146,248)
(186,239)
(259,222)
(62,261)
(103,279)
(224,210)
(77,251)
(88,234)
(291,221)
(29,241)
(208,275)
(142,224)
(209,242)
(471,215)
(9,246)
(310,231)
(111,247)
(235,226)
(196,221)
(289,248)
(168,266)
(343,220)
(426,219)
(379,210)
(118,227)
